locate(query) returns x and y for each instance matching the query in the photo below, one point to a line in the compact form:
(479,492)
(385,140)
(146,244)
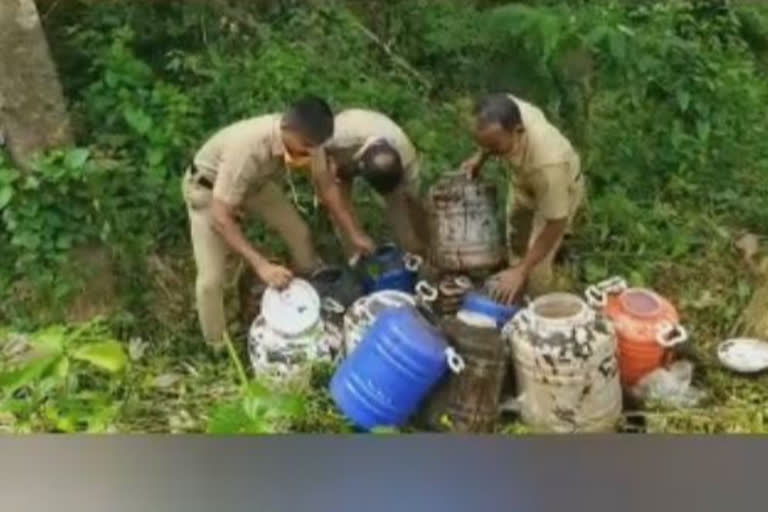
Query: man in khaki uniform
(233,175)
(546,188)
(372,146)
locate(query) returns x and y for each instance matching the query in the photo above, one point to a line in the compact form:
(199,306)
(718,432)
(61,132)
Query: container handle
(525,318)
(612,285)
(670,335)
(596,297)
(455,361)
(331,305)
(506,330)
(426,292)
(463,282)
(413,262)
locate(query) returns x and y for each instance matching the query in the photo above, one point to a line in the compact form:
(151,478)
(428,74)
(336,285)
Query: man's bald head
(380,165)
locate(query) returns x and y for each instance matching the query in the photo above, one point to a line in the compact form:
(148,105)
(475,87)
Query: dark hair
(382,167)
(312,117)
(498,108)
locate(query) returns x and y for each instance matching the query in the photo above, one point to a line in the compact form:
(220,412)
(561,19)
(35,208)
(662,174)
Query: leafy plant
(260,410)
(46,377)
(664,101)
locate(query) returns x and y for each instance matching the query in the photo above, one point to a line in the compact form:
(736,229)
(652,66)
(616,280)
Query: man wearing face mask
(234,175)
(371,146)
(546,187)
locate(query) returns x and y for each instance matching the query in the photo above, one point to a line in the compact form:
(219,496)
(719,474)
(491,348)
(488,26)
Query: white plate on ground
(744,355)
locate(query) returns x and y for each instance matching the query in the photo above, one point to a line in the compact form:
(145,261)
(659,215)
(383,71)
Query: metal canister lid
(292,310)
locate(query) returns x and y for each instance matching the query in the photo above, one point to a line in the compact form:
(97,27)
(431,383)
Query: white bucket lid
(744,355)
(292,310)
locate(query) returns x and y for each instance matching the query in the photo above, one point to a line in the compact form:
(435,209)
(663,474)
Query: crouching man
(546,188)
(235,175)
(371,146)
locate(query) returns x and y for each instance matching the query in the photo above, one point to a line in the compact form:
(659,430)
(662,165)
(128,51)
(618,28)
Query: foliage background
(665,100)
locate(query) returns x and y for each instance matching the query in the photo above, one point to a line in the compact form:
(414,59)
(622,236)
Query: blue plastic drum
(389,268)
(400,359)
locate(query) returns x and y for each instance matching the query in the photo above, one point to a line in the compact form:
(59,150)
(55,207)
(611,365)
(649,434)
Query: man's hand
(510,283)
(471,167)
(363,244)
(274,275)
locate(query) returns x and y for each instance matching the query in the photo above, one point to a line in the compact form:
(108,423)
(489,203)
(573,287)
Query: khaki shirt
(548,178)
(241,157)
(355,128)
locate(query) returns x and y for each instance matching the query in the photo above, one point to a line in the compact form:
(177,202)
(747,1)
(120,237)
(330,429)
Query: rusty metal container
(565,360)
(468,402)
(450,293)
(464,229)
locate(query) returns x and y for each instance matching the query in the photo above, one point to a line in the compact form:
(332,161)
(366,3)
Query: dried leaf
(749,245)
(166,380)
(136,349)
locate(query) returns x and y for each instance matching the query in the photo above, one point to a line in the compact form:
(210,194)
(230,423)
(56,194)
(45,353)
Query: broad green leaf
(138,120)
(14,380)
(51,340)
(62,368)
(27,240)
(66,424)
(156,157)
(76,158)
(107,355)
(6,194)
(231,419)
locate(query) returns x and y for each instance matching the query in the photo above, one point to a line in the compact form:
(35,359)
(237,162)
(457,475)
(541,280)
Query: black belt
(202,180)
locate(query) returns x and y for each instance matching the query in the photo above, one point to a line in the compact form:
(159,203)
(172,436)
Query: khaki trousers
(212,253)
(524,225)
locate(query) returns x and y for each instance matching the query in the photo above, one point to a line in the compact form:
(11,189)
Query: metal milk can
(565,359)
(451,291)
(290,335)
(464,230)
(364,311)
(468,402)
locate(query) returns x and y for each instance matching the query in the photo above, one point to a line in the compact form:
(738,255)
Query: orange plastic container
(647,327)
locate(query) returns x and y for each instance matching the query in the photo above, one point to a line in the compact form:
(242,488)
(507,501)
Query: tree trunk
(33,114)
